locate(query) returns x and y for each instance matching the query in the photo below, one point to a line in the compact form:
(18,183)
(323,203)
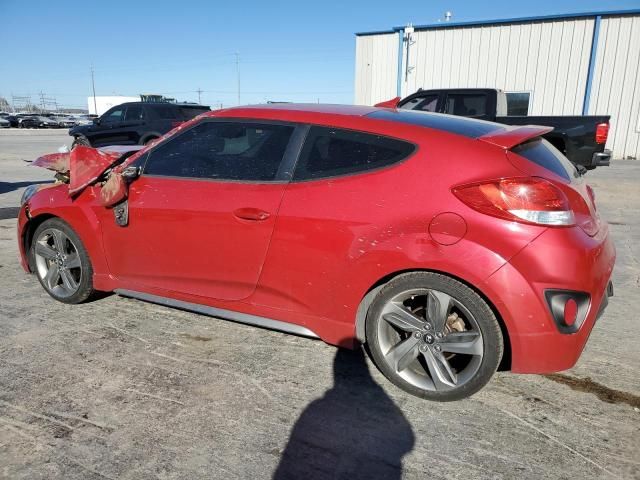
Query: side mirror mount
(130,173)
(96,121)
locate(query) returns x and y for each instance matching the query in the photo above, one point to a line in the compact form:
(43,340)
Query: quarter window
(223,151)
(330,152)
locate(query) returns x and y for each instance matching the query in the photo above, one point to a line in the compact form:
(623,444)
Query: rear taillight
(527,200)
(602,132)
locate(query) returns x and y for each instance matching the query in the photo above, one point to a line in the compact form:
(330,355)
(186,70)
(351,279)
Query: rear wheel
(433,336)
(61,262)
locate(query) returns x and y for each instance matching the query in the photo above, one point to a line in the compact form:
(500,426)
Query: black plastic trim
(556,300)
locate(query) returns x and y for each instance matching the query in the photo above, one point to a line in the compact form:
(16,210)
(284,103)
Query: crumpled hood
(84,165)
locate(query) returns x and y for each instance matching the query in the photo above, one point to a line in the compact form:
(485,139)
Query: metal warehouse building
(574,64)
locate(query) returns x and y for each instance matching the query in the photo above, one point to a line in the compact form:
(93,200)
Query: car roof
(324,113)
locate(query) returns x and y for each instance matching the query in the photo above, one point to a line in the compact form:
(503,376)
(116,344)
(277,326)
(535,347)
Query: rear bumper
(560,259)
(601,159)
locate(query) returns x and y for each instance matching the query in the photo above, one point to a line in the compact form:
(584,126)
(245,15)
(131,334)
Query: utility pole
(238,73)
(199,92)
(93,87)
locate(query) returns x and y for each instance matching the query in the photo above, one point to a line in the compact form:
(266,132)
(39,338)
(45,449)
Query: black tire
(483,317)
(147,141)
(82,275)
(80,140)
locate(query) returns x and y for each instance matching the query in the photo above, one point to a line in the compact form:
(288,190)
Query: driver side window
(113,116)
(223,151)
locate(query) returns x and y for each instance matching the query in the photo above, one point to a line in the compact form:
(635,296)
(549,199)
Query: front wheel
(61,262)
(433,336)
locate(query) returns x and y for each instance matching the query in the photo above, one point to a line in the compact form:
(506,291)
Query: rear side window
(542,153)
(190,112)
(331,152)
(223,151)
(134,112)
(466,104)
(166,112)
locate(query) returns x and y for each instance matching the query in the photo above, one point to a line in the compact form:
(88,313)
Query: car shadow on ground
(354,431)
(6,187)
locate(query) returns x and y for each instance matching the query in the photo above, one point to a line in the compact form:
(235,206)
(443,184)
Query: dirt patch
(587,385)
(198,338)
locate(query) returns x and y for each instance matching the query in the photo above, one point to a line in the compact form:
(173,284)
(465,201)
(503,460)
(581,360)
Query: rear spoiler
(515,135)
(393,103)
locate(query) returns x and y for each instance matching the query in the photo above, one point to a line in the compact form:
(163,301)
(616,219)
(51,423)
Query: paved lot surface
(122,389)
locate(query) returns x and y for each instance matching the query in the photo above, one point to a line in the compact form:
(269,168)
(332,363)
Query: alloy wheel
(430,339)
(58,262)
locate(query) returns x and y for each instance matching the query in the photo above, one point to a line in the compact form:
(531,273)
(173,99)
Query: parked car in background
(37,121)
(4,122)
(580,138)
(135,123)
(441,242)
(66,121)
(11,118)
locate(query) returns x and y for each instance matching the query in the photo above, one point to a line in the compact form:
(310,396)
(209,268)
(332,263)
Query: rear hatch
(535,157)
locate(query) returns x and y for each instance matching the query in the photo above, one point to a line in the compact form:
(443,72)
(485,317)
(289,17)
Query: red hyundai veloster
(449,246)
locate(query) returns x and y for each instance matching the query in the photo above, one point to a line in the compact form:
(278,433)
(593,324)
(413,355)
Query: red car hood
(84,164)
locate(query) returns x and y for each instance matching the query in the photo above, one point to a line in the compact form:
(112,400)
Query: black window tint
(166,112)
(114,115)
(134,112)
(190,112)
(330,152)
(466,104)
(518,103)
(459,125)
(546,155)
(223,151)
(428,103)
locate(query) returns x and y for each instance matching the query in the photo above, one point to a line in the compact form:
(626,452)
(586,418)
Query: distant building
(574,64)
(102,103)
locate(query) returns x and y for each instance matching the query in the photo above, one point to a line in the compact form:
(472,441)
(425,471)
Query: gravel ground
(122,389)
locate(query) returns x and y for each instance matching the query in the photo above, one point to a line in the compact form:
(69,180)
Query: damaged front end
(84,166)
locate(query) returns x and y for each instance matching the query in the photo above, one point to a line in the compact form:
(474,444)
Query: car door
(134,119)
(202,213)
(109,129)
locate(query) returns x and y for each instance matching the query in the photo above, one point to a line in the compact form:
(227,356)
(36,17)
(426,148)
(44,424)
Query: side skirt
(220,313)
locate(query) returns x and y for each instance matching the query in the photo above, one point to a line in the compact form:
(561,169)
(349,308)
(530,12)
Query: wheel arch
(367,300)
(89,236)
(149,136)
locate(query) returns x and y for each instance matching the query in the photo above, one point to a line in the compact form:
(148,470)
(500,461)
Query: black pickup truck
(581,138)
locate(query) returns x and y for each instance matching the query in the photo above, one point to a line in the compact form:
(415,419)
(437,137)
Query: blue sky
(289,50)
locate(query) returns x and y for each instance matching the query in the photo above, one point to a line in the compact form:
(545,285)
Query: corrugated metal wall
(616,83)
(548,59)
(376,68)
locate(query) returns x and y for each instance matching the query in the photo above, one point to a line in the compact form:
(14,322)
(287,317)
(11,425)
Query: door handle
(254,214)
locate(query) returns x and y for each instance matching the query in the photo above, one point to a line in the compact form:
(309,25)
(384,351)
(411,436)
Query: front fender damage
(83,166)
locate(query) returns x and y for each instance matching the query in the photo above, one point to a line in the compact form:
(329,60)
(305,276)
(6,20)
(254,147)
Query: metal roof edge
(540,18)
